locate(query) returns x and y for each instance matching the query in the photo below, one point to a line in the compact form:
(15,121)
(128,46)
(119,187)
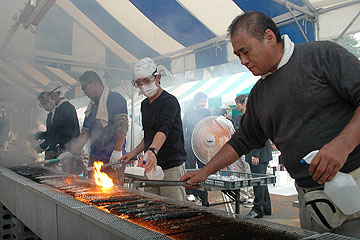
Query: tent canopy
(58,40)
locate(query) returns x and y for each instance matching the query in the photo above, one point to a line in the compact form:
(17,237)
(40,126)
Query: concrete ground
(283,211)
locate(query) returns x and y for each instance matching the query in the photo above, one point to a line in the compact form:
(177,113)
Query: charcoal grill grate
(208,224)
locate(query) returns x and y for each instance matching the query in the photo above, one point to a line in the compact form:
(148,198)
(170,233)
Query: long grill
(132,214)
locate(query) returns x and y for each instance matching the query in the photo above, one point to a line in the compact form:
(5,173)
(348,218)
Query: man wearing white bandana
(163,141)
(105,124)
(62,125)
(308,98)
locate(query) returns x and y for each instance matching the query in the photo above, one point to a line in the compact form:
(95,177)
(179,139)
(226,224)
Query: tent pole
(132,134)
(348,26)
(309,6)
(338,6)
(316,28)
(297,22)
(9,36)
(295,7)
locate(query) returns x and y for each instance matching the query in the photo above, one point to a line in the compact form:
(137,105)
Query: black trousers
(262,202)
(191,159)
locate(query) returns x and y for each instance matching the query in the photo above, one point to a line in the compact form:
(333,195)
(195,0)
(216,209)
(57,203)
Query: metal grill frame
(54,215)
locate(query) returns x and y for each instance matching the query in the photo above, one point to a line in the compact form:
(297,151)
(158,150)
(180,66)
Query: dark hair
(198,96)
(255,23)
(42,95)
(90,76)
(240,98)
(221,111)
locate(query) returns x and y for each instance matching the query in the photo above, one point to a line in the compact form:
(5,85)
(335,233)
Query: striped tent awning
(226,88)
(59,40)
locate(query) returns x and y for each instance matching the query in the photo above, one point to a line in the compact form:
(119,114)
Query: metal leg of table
(274,170)
(235,196)
(203,195)
(237,201)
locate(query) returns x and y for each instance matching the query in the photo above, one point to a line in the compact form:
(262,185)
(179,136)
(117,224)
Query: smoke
(24,61)
(17,92)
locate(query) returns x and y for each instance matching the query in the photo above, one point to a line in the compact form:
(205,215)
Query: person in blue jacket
(106,125)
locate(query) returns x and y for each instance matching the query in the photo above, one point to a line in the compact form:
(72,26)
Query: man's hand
(151,161)
(255,161)
(195,177)
(65,156)
(38,149)
(128,157)
(115,157)
(329,160)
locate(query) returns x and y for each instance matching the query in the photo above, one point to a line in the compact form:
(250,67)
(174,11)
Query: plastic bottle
(343,190)
(157,174)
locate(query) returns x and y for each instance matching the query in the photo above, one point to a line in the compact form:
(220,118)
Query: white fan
(209,135)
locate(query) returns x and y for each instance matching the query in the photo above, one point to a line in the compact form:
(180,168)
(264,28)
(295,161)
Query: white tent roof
(110,35)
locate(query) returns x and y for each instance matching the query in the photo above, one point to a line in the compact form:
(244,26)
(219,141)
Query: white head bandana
(147,67)
(56,86)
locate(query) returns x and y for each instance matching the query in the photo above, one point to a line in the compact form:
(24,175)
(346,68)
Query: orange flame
(70,179)
(101,178)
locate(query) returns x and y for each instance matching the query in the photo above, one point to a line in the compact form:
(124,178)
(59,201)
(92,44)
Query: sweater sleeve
(168,112)
(342,69)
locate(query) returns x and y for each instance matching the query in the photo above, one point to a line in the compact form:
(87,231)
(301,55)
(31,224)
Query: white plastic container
(343,190)
(158,174)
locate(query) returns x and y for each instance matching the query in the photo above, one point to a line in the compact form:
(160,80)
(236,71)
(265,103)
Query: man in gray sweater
(308,98)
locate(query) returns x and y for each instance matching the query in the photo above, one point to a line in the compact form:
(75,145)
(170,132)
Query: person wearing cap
(105,124)
(62,124)
(163,141)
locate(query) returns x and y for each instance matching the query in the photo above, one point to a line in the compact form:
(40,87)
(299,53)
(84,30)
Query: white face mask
(149,90)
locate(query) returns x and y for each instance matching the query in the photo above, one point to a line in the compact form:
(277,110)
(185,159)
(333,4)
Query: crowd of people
(307,99)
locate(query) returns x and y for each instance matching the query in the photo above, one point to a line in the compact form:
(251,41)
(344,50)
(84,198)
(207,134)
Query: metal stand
(229,197)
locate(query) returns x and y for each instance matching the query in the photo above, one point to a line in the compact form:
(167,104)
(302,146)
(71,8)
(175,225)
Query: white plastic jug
(343,190)
(157,174)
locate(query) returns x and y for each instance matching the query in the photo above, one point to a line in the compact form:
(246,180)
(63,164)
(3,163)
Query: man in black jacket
(62,124)
(258,160)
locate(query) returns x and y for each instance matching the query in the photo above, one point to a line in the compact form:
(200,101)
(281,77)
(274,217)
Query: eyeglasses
(140,82)
(84,86)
